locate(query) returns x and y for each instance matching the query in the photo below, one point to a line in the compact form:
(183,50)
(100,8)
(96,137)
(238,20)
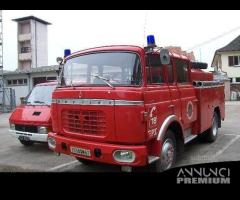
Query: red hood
(25,115)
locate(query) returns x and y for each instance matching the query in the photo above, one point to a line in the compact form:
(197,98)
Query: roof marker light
(67,52)
(151,41)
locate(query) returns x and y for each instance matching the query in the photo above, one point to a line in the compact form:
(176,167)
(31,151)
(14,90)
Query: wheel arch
(173,123)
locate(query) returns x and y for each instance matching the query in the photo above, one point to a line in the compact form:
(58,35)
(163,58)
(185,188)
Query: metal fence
(8,103)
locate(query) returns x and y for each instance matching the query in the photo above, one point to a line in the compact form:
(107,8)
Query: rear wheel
(26,143)
(168,153)
(211,134)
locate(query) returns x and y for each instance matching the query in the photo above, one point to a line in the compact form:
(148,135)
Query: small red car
(31,121)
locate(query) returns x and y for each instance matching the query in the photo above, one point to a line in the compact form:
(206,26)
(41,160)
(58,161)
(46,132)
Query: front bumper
(32,136)
(63,145)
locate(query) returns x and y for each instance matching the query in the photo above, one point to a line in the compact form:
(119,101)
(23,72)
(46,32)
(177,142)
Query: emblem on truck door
(189,110)
(152,122)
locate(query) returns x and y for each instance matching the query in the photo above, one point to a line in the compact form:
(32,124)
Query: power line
(215,38)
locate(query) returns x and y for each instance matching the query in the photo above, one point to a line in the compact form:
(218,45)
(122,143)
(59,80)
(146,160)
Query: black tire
(85,161)
(170,145)
(26,143)
(211,134)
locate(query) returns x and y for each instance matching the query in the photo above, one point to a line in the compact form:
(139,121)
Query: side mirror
(164,56)
(23,100)
(59,60)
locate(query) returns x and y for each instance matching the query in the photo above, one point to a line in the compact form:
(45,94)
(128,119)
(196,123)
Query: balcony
(25,56)
(24,37)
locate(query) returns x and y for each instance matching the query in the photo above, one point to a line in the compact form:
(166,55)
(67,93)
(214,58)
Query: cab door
(156,96)
(174,92)
(187,93)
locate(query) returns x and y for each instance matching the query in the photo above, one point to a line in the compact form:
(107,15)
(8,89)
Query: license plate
(80,151)
(25,138)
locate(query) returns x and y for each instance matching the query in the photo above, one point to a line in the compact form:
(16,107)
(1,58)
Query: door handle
(195,100)
(171,106)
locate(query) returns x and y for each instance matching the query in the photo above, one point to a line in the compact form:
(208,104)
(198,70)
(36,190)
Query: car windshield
(41,95)
(105,69)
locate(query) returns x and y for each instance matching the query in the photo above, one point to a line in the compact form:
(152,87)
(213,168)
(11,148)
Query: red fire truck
(133,106)
(31,121)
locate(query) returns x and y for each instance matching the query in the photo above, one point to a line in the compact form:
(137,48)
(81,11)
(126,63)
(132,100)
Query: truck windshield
(105,69)
(41,95)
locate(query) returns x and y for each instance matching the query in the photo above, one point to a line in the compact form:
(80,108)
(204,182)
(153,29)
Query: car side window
(154,69)
(182,71)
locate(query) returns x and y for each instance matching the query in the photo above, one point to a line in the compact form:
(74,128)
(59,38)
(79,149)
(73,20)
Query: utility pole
(1,66)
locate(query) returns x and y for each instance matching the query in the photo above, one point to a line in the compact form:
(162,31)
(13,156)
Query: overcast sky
(78,30)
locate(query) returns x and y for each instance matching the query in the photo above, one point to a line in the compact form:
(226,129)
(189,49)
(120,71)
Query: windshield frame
(61,77)
(39,104)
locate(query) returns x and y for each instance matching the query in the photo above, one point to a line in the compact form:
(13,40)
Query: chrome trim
(152,159)
(106,102)
(127,103)
(203,87)
(32,136)
(165,125)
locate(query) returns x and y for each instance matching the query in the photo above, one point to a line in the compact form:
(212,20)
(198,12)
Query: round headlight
(126,156)
(42,130)
(52,143)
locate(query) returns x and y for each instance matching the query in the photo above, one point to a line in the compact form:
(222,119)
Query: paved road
(15,157)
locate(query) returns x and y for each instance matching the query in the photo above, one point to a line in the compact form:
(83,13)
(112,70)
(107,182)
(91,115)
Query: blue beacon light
(151,41)
(67,52)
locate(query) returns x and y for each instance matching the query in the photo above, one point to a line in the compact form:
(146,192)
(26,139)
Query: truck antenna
(144,27)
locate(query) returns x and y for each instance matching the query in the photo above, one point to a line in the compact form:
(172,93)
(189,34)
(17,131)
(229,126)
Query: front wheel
(168,153)
(26,143)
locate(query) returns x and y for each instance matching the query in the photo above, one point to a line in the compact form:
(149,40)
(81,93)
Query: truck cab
(31,121)
(132,106)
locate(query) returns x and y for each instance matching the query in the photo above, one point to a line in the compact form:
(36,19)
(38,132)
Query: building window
(233,61)
(182,71)
(16,82)
(25,49)
(51,78)
(231,80)
(237,79)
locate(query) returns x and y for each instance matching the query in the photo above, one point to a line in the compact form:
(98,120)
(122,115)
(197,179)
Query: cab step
(189,138)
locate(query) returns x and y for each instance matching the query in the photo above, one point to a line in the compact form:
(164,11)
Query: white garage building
(22,81)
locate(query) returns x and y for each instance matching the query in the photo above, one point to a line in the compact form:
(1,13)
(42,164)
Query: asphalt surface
(14,157)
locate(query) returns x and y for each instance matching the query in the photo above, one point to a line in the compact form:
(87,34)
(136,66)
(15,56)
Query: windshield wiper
(105,80)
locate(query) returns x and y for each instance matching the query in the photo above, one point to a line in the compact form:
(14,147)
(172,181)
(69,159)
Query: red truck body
(102,123)
(27,119)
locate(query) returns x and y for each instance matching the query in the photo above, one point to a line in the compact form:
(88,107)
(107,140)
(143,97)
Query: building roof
(232,46)
(33,18)
(50,68)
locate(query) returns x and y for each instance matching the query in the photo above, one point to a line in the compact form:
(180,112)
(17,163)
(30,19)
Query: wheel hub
(167,154)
